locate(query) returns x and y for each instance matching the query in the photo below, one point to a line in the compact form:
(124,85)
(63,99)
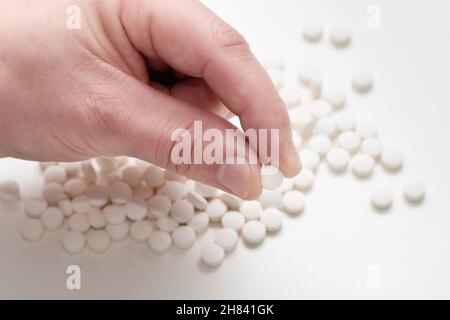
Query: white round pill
(133,175)
(212,255)
(160,242)
(52,193)
(183,237)
(325,126)
(154,177)
(75,187)
(349,140)
(120,192)
(199,222)
(98,240)
(72,168)
(382,197)
(118,232)
(141,230)
(182,211)
(159,206)
(312,30)
(362,165)
(414,190)
(392,159)
(273,61)
(233,220)
(291,97)
(136,209)
(254,232)
(338,159)
(251,210)
(35,206)
(215,209)
(197,200)
(310,159)
(335,95)
(52,218)
(97,195)
(372,147)
(174,190)
(316,88)
(143,192)
(227,239)
(166,224)
(271,177)
(320,144)
(106,164)
(114,214)
(32,230)
(231,201)
(294,202)
(366,129)
(78,222)
(89,173)
(306,72)
(304,180)
(95,218)
(340,35)
(55,173)
(362,80)
(272,218)
(65,205)
(271,198)
(345,121)
(320,109)
(80,204)
(73,242)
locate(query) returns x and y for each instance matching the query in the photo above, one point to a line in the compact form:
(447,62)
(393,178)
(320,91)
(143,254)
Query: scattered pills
(345,122)
(159,206)
(304,180)
(212,255)
(197,200)
(325,126)
(254,232)
(362,165)
(340,35)
(114,214)
(73,242)
(366,129)
(98,241)
(141,230)
(320,109)
(233,220)
(320,144)
(174,190)
(120,192)
(310,159)
(80,204)
(32,230)
(335,95)
(199,222)
(215,209)
(133,175)
(271,198)
(34,207)
(9,191)
(136,209)
(338,159)
(414,191)
(227,239)
(251,210)
(75,187)
(65,205)
(97,195)
(183,237)
(271,177)
(52,218)
(349,141)
(55,173)
(78,222)
(166,224)
(372,146)
(306,73)
(118,232)
(160,242)
(95,218)
(382,197)
(294,202)
(291,97)
(272,219)
(392,159)
(312,30)
(182,211)
(362,80)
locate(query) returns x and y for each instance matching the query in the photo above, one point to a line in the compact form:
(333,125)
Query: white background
(339,244)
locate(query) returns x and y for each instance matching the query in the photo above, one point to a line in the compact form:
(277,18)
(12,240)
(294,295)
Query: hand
(68,95)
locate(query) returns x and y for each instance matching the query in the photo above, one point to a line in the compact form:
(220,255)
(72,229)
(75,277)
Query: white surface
(339,247)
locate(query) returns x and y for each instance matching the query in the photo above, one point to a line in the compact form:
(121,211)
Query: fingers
(194,41)
(147,123)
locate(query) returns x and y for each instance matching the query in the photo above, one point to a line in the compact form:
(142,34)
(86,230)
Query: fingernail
(235,176)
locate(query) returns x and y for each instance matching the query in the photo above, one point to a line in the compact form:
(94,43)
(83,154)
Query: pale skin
(69,95)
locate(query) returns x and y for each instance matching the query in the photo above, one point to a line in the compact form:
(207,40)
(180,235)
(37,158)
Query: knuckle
(229,39)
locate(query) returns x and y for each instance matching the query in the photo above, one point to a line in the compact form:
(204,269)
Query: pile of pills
(98,202)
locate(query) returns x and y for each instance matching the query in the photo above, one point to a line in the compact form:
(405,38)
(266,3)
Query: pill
(118,232)
(310,159)
(372,147)
(286,185)
(316,86)
(9,191)
(320,109)
(73,242)
(306,73)
(251,210)
(233,220)
(335,95)
(254,232)
(34,207)
(272,218)
(271,177)
(174,190)
(271,198)
(338,159)
(160,242)
(349,140)
(80,204)
(230,200)
(362,165)
(159,206)
(75,187)
(345,122)
(340,35)
(141,230)
(197,200)
(382,197)
(304,180)
(212,255)
(277,77)
(89,173)
(98,241)
(274,62)
(120,192)
(55,173)
(133,175)
(95,218)
(143,192)
(320,144)
(312,30)
(114,214)
(65,205)
(52,218)
(227,239)
(32,230)
(97,195)
(183,237)
(166,224)
(136,209)
(215,209)
(199,222)
(391,158)
(106,164)
(362,80)
(182,211)
(78,222)
(291,97)
(205,190)
(414,190)
(294,202)
(72,168)
(366,129)
(325,126)
(302,121)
